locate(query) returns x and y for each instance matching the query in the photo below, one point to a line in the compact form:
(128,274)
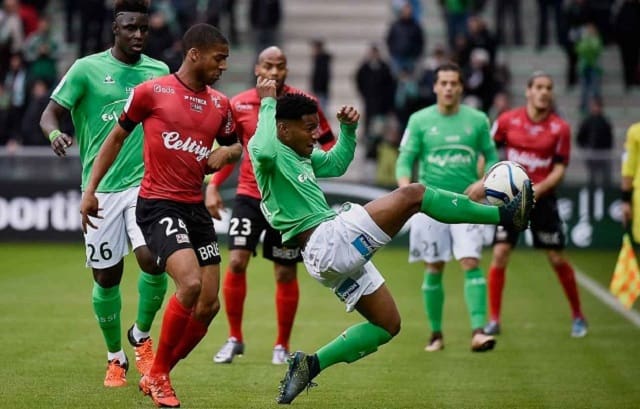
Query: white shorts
(108,244)
(338,252)
(432,241)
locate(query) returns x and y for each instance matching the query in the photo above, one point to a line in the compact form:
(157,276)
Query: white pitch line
(607,298)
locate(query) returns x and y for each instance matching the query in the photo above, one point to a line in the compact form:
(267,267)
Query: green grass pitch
(53,355)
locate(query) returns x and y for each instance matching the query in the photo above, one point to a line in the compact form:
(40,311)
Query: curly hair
(294,106)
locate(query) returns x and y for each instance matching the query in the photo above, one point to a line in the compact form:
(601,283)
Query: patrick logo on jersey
(173,141)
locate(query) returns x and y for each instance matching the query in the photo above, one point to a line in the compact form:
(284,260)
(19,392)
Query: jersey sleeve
(410,147)
(262,146)
(336,161)
(563,147)
(499,130)
(227,133)
(137,107)
(71,88)
(327,139)
(630,156)
(487,146)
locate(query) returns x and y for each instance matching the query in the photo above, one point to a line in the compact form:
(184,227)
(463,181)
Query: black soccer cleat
(515,214)
(297,378)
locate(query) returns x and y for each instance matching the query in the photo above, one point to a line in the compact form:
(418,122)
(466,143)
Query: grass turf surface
(53,354)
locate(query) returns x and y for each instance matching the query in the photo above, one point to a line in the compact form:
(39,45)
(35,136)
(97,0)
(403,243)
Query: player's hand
(475,191)
(266,87)
(348,115)
(213,201)
(60,144)
(222,156)
(627,213)
(89,208)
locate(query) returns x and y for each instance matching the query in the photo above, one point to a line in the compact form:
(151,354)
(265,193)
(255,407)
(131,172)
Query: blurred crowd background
(377,54)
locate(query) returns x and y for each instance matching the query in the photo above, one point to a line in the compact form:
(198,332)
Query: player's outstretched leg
(297,378)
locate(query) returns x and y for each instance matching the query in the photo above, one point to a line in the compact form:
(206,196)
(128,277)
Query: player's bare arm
(266,87)
(223,156)
(50,125)
(108,153)
(627,210)
(348,115)
(550,182)
(213,201)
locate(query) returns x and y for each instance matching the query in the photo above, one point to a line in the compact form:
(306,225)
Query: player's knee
(413,194)
(285,274)
(189,288)
(394,326)
(555,258)
(207,312)
(238,264)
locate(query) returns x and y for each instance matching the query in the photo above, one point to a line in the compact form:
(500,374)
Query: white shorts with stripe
(337,254)
(109,243)
(432,241)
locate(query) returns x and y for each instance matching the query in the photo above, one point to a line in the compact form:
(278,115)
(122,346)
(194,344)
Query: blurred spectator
(376,87)
(595,136)
(173,56)
(576,15)
(543,22)
(627,35)
(5,102)
(589,49)
(502,9)
(264,18)
(405,41)
(478,80)
(320,73)
(15,84)
(427,75)
(480,37)
(406,98)
(186,13)
(456,13)
(461,51)
(11,33)
(416,10)
(216,12)
(501,103)
(38,5)
(602,18)
(160,36)
(30,132)
(502,77)
(41,54)
(70,10)
(92,17)
(29,16)
(387,153)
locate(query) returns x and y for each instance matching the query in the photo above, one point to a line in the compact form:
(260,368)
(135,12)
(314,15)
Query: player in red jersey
(538,139)
(247,221)
(181,116)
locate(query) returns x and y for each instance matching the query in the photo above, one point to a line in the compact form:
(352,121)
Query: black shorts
(247,224)
(546,227)
(169,226)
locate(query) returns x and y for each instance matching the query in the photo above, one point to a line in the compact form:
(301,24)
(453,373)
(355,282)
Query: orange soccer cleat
(116,374)
(160,390)
(143,351)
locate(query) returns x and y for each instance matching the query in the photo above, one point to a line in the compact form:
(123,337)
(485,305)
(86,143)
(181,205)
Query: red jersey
(535,145)
(245,107)
(180,126)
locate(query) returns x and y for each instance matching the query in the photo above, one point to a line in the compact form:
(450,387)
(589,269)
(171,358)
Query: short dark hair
(294,106)
(132,6)
(537,74)
(202,36)
(448,66)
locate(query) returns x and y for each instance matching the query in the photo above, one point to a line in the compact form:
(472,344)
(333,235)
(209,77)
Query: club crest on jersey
(216,101)
(108,79)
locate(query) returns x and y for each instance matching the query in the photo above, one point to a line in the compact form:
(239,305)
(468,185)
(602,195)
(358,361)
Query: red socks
(287,296)
(193,334)
(495,284)
(234,290)
(174,324)
(567,278)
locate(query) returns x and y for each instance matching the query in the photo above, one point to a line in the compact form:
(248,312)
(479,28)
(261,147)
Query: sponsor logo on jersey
(364,244)
(209,251)
(452,155)
(530,161)
(241,106)
(197,100)
(160,89)
(182,238)
(108,79)
(109,116)
(452,138)
(285,253)
(173,141)
(196,107)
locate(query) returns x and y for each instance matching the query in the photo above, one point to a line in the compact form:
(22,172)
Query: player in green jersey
(95,90)
(337,247)
(449,141)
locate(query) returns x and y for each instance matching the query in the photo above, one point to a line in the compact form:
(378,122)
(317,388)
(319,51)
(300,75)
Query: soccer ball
(503,182)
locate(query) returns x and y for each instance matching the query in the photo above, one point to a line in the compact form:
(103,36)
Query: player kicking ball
(337,247)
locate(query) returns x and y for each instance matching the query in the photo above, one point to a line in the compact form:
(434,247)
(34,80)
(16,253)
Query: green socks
(433,294)
(106,306)
(449,207)
(354,343)
(151,291)
(475,294)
